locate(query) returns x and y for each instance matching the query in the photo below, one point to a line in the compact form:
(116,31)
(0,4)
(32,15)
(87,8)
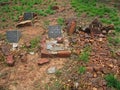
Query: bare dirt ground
(30,76)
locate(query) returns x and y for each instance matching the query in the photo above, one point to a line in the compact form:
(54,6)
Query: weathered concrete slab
(28,16)
(13,36)
(54,31)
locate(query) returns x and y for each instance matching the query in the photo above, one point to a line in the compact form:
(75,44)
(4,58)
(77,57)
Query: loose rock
(51,70)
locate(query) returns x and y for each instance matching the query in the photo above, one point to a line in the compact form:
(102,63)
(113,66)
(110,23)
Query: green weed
(34,42)
(58,73)
(95,8)
(84,56)
(112,81)
(3,19)
(60,21)
(114,40)
(81,70)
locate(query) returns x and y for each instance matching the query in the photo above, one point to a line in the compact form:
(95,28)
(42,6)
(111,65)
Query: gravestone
(13,36)
(28,16)
(54,31)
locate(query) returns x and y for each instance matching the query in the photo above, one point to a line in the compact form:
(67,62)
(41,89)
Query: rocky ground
(26,74)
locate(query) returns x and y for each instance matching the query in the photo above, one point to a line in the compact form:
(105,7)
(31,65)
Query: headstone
(54,31)
(28,16)
(13,36)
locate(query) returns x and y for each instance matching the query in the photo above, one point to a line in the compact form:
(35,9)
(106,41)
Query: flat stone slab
(13,36)
(54,31)
(28,16)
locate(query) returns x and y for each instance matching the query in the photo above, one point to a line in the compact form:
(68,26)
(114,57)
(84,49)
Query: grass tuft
(112,81)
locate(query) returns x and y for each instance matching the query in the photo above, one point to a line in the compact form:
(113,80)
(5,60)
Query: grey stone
(13,36)
(54,31)
(51,70)
(28,16)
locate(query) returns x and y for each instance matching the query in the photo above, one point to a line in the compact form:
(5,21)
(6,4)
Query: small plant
(60,21)
(34,42)
(112,81)
(3,19)
(114,40)
(84,56)
(58,73)
(81,70)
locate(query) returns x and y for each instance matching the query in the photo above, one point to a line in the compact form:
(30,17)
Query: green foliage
(3,19)
(60,21)
(118,28)
(58,73)
(95,8)
(34,42)
(114,40)
(84,56)
(81,70)
(112,81)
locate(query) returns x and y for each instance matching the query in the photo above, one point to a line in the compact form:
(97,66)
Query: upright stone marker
(54,31)
(13,36)
(28,16)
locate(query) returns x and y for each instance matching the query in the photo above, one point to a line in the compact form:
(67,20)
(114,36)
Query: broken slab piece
(24,23)
(51,70)
(42,61)
(13,36)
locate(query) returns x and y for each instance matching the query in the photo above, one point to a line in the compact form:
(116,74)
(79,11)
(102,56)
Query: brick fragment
(42,61)
(64,53)
(10,60)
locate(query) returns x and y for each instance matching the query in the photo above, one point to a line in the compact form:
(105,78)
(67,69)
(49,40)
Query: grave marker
(28,16)
(13,36)
(54,31)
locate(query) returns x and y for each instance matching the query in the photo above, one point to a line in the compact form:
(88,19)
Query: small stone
(76,84)
(94,75)
(97,68)
(105,71)
(59,40)
(23,58)
(27,44)
(118,53)
(89,75)
(32,53)
(111,65)
(43,61)
(5,49)
(100,39)
(89,69)
(94,88)
(51,70)
(10,60)
(104,32)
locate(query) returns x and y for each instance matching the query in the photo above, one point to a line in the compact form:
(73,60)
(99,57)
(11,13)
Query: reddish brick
(43,61)
(10,60)
(64,53)
(45,53)
(72,28)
